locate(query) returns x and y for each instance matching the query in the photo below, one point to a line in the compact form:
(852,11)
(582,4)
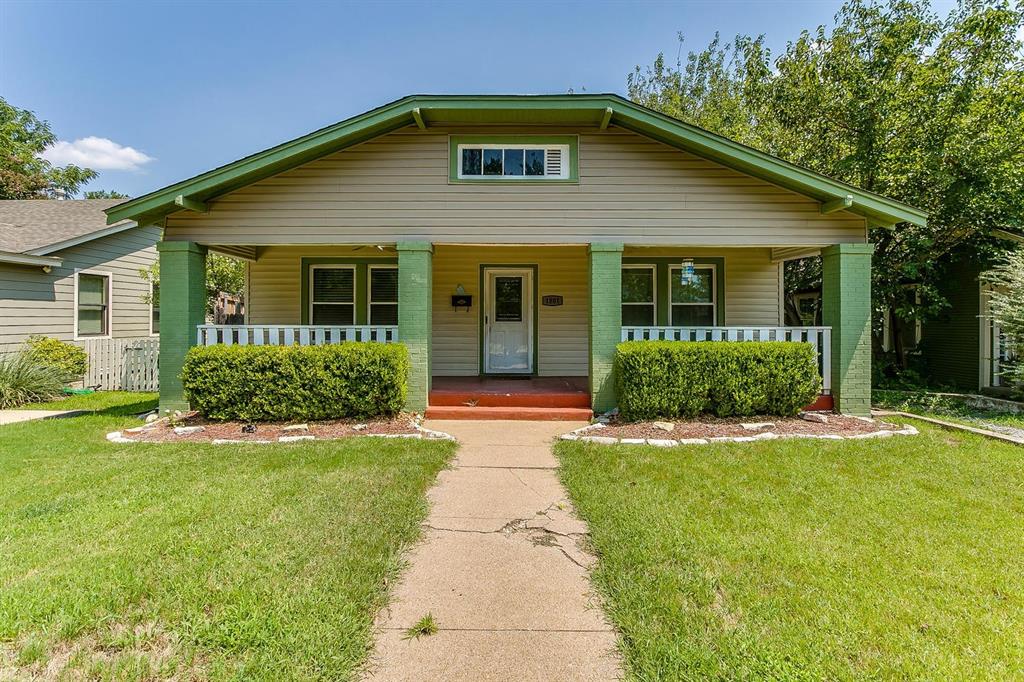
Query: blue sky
(190,85)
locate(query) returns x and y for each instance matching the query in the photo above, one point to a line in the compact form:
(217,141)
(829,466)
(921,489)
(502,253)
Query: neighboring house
(502,236)
(964,346)
(66,274)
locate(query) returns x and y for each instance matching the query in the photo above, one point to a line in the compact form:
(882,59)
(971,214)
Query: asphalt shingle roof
(29,224)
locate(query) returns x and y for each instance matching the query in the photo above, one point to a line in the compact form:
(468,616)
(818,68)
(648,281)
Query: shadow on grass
(128,409)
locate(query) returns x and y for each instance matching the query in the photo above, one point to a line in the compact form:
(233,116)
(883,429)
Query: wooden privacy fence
(123,364)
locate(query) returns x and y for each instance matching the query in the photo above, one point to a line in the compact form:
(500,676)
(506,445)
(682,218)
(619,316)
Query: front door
(508,321)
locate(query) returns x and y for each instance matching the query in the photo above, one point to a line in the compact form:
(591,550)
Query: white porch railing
(290,335)
(819,337)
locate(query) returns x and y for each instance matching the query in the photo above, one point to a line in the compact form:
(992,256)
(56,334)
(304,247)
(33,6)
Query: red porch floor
(550,398)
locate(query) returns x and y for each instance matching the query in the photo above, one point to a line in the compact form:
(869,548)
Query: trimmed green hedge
(69,360)
(264,383)
(725,378)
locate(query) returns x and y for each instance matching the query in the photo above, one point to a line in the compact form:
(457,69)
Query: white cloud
(97,153)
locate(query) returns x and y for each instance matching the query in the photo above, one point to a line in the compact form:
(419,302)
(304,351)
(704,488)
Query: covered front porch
(493,326)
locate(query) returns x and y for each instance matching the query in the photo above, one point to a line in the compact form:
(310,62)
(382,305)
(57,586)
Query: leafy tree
(105,194)
(1007,301)
(223,273)
(23,173)
(892,99)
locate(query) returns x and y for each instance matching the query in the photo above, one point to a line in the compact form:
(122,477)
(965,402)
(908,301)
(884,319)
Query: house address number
(551,300)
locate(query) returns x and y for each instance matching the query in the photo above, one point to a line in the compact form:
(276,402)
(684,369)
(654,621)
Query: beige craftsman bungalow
(517,236)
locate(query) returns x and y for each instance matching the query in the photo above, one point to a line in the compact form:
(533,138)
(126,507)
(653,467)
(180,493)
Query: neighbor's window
(638,296)
(332,295)
(154,308)
(512,162)
(693,301)
(93,305)
(383,299)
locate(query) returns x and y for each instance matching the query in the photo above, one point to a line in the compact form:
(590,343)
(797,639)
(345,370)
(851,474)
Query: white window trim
(714,292)
(369,293)
(151,332)
(110,305)
(565,149)
(355,290)
(654,288)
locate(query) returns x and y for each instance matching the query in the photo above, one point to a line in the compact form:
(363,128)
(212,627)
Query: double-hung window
(93,304)
(383,298)
(154,308)
(692,299)
(638,296)
(332,299)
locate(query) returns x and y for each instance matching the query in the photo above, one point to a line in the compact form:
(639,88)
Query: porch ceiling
(596,111)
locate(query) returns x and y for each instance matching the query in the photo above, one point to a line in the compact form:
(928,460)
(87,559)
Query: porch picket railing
(123,364)
(819,337)
(290,334)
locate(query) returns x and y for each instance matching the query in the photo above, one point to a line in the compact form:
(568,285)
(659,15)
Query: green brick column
(846,307)
(605,322)
(415,286)
(182,309)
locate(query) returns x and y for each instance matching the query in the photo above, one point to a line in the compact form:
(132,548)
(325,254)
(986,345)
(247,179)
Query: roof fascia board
(28,259)
(82,239)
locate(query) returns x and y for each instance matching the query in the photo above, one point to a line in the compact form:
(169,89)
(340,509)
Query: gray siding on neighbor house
(631,189)
(34,302)
(951,344)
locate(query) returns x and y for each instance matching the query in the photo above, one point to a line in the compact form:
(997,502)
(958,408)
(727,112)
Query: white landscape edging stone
(577,434)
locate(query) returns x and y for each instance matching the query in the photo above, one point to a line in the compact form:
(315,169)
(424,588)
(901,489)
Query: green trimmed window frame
(570,141)
(662,284)
(362,268)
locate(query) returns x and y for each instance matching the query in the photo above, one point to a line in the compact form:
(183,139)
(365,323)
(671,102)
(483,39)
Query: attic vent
(553,162)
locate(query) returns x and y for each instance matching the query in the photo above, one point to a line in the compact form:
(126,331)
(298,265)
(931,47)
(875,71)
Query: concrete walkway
(500,569)
(15,416)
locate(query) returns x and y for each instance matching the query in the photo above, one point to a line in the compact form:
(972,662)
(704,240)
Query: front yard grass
(197,561)
(886,559)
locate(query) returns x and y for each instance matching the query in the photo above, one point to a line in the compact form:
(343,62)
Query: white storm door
(508,321)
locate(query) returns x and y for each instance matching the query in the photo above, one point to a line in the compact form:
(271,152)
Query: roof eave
(82,239)
(28,259)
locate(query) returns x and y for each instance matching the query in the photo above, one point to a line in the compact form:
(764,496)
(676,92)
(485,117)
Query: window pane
(697,291)
(92,289)
(492,162)
(384,285)
(156,320)
(693,315)
(513,162)
(333,285)
(384,313)
(92,321)
(471,161)
(535,162)
(637,285)
(333,314)
(508,299)
(638,315)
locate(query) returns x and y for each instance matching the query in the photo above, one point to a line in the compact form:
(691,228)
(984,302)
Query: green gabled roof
(569,110)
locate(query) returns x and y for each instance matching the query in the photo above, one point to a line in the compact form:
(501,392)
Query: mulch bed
(716,427)
(163,431)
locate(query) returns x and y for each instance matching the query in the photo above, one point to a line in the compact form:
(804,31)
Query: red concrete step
(469,398)
(520,413)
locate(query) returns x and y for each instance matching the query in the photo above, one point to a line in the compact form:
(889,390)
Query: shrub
(66,358)
(680,378)
(261,383)
(23,379)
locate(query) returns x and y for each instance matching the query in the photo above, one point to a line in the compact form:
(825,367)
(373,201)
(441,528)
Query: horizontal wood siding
(562,330)
(274,280)
(631,189)
(34,302)
(752,283)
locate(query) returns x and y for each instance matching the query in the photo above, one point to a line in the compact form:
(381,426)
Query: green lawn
(942,407)
(197,561)
(888,559)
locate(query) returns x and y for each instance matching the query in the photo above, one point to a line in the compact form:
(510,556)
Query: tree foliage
(104,194)
(223,273)
(1007,307)
(892,99)
(23,173)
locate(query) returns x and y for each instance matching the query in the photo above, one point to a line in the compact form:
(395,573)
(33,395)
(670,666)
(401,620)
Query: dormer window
(511,158)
